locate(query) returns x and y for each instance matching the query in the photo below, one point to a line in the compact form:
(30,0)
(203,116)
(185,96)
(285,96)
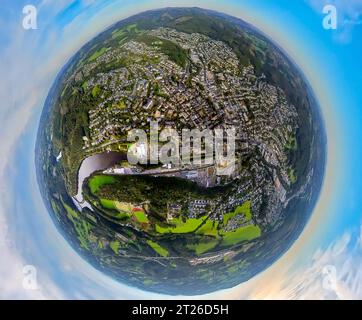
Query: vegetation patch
(246,233)
(98,181)
(95,91)
(203,246)
(292,176)
(244,209)
(179,226)
(97,54)
(141,216)
(115,245)
(209,228)
(160,250)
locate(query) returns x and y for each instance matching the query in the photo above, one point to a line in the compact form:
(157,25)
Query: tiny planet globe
(181,227)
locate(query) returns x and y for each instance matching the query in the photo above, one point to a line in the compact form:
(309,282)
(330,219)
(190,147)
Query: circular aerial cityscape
(210,221)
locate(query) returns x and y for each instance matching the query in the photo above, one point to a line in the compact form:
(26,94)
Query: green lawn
(181,227)
(244,209)
(82,227)
(85,85)
(124,210)
(108,204)
(95,91)
(292,143)
(97,181)
(209,228)
(292,175)
(175,52)
(203,247)
(114,245)
(71,213)
(160,250)
(118,34)
(141,216)
(148,282)
(132,28)
(97,54)
(122,105)
(241,234)
(122,216)
(115,205)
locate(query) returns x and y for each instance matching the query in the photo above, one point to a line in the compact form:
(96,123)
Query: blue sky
(330,59)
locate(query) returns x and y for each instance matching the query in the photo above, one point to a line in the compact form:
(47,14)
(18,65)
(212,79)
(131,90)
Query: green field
(209,228)
(114,245)
(95,91)
(292,176)
(241,234)
(71,213)
(82,227)
(169,48)
(244,209)
(292,143)
(97,54)
(124,210)
(160,250)
(98,181)
(108,204)
(203,246)
(85,85)
(132,28)
(179,226)
(118,34)
(141,216)
(122,216)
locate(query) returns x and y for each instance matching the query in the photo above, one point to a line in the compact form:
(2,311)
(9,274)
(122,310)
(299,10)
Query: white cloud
(23,87)
(27,74)
(350,10)
(360,238)
(333,273)
(349,15)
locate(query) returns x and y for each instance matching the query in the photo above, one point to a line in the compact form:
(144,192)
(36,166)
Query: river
(96,162)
